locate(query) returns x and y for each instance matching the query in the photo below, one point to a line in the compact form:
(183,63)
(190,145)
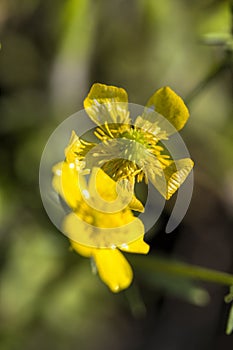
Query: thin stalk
(158,264)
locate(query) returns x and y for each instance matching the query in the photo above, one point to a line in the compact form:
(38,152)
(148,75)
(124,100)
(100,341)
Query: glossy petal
(66,183)
(107,104)
(56,182)
(102,230)
(76,151)
(167,103)
(139,246)
(113,268)
(136,205)
(78,228)
(173,177)
(101,183)
(112,191)
(176,173)
(73,147)
(81,249)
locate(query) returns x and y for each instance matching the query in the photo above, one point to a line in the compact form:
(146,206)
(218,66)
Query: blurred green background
(51,53)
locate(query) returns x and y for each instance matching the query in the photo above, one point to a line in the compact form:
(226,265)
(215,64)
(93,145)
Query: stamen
(107,128)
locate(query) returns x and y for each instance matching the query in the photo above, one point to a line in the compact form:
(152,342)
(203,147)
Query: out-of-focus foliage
(51,53)
(229,299)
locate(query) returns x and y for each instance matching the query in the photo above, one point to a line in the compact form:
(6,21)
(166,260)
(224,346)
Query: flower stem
(172,267)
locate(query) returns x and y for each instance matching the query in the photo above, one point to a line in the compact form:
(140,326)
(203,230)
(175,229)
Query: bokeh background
(51,53)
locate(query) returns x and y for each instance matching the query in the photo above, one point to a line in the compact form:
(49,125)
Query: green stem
(135,302)
(158,264)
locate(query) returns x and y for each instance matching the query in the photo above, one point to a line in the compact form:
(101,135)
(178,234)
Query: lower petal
(81,249)
(113,269)
(138,246)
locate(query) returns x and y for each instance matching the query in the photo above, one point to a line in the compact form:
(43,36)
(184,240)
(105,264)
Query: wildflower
(93,231)
(130,151)
(102,223)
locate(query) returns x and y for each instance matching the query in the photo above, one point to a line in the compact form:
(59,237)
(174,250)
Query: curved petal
(66,183)
(173,177)
(136,205)
(78,227)
(113,268)
(176,173)
(139,246)
(101,183)
(109,190)
(103,230)
(107,104)
(73,147)
(82,249)
(76,150)
(171,106)
(168,179)
(56,181)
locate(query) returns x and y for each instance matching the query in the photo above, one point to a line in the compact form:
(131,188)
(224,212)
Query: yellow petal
(167,103)
(82,249)
(78,227)
(66,183)
(113,269)
(106,103)
(107,188)
(136,205)
(56,181)
(103,184)
(73,147)
(176,173)
(173,177)
(138,246)
(102,230)
(76,150)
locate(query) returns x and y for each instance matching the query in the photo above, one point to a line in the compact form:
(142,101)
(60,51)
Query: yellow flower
(101,223)
(102,232)
(133,151)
